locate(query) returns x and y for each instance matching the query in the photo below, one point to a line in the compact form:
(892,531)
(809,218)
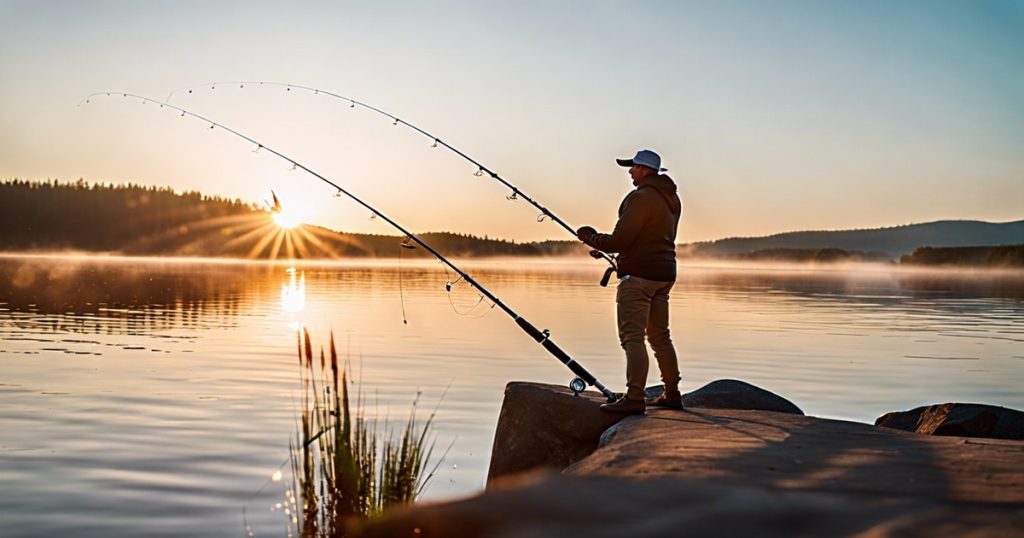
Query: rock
(722,472)
(733,394)
(548,504)
(784,451)
(543,425)
(958,419)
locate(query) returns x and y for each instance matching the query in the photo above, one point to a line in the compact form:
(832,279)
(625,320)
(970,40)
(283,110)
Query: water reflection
(293,294)
(124,296)
(170,386)
(868,284)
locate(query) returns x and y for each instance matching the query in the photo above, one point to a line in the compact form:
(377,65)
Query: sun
(287,219)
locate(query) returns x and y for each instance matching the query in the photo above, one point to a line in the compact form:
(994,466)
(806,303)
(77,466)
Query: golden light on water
(293,294)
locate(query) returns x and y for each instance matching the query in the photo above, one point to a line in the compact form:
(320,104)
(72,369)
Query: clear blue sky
(771,115)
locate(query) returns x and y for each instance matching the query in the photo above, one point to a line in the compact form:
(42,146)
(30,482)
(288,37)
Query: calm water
(158,397)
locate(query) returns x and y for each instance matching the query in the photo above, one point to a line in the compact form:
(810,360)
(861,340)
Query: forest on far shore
(101,217)
(156,221)
(1000,256)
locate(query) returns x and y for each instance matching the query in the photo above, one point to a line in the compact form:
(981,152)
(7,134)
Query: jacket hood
(666,186)
(661,182)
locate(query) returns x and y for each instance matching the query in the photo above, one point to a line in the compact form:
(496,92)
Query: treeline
(814,255)
(995,256)
(140,220)
(100,217)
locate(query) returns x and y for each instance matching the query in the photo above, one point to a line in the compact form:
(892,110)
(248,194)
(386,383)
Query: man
(644,237)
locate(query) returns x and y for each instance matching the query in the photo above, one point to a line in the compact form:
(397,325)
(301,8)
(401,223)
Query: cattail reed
(345,466)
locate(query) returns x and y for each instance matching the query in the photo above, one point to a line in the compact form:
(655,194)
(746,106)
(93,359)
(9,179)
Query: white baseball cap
(644,157)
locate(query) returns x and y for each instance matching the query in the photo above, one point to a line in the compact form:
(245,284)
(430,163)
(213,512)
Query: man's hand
(585,233)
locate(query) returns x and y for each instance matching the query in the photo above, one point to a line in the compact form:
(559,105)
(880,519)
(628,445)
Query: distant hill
(895,242)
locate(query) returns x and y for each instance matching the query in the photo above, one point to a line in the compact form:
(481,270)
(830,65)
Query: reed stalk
(346,465)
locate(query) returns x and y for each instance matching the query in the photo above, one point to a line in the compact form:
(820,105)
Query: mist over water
(157,397)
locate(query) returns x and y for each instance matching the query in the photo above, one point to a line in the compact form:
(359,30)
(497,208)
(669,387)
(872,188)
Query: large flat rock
(551,505)
(722,472)
(783,451)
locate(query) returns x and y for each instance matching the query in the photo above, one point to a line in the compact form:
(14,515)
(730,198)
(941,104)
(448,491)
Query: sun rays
(287,219)
(284,238)
(236,230)
(258,235)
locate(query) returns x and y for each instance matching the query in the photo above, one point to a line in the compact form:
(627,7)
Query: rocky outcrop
(781,452)
(543,425)
(554,505)
(733,472)
(958,419)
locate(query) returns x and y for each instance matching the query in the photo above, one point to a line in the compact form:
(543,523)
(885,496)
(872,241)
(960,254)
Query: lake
(157,397)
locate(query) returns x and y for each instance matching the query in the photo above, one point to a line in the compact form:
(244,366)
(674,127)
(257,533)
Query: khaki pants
(642,309)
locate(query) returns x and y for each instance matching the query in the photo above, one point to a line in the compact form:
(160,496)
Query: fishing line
(451,285)
(468,313)
(542,337)
(405,244)
(481,169)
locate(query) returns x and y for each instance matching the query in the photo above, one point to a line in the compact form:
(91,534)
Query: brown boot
(625,406)
(669,400)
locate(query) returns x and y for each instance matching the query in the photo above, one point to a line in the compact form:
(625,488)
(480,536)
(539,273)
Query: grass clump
(345,465)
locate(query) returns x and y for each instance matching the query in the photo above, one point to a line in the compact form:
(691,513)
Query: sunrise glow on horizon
(771,117)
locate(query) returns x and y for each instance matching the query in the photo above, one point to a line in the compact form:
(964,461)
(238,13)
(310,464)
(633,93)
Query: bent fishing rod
(543,337)
(395,120)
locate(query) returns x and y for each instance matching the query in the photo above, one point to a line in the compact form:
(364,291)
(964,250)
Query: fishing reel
(577,385)
(597,255)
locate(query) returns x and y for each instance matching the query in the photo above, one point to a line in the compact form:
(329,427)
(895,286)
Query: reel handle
(598,255)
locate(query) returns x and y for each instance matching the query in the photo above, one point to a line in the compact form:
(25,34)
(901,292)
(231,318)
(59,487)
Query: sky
(771,116)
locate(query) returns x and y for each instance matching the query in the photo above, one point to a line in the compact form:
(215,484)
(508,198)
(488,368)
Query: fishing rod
(583,377)
(395,120)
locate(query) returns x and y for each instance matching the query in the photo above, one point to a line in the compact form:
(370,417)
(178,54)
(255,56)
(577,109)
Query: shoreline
(696,264)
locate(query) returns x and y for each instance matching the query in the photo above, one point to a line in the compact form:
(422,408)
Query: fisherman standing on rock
(644,237)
